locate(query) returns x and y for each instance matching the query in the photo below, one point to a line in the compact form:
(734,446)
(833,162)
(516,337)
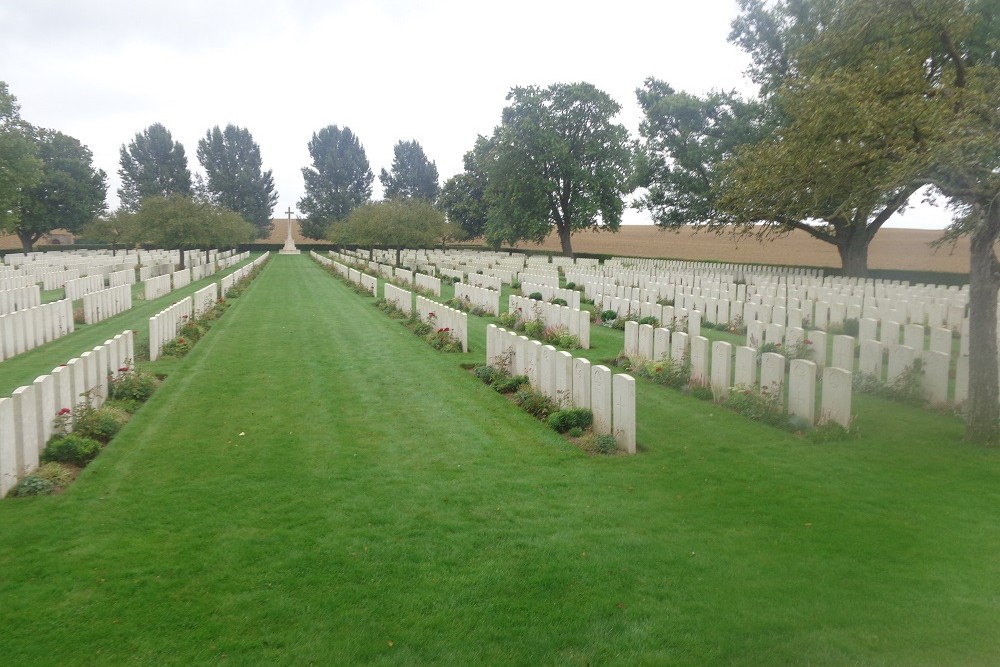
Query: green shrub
(609,316)
(570,285)
(560,337)
(575,432)
(509,383)
(101,425)
(56,473)
(485,372)
(73,449)
(535,296)
(178,347)
(507,320)
(650,320)
(534,402)
(559,302)
(605,444)
(564,420)
(759,405)
(534,329)
(33,485)
(131,385)
(701,391)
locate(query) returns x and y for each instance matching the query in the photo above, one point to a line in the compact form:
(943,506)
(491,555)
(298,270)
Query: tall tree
(393,223)
(152,164)
(20,167)
(119,229)
(786,160)
(413,176)
(907,91)
(234,179)
(339,180)
(183,223)
(559,162)
(70,194)
(463,197)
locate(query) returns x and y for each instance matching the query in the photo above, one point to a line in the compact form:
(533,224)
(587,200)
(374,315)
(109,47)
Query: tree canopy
(339,180)
(234,179)
(798,156)
(181,222)
(70,193)
(412,176)
(119,230)
(393,223)
(20,166)
(463,197)
(558,161)
(152,164)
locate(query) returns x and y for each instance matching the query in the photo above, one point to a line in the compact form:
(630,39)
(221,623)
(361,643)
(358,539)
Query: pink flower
(123,369)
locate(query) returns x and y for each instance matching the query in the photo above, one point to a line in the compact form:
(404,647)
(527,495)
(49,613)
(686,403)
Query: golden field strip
(902,249)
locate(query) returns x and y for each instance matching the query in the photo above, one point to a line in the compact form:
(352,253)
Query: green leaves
(413,176)
(232,163)
(339,180)
(556,161)
(152,164)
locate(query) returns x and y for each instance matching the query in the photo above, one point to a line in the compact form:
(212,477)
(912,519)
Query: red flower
(444,330)
(64,411)
(180,340)
(123,369)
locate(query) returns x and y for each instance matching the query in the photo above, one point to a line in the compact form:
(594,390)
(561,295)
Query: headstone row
(25,330)
(553,315)
(27,416)
(99,306)
(19,298)
(487,299)
(571,382)
(441,317)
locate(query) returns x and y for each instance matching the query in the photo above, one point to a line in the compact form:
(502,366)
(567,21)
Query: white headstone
(623,397)
(600,399)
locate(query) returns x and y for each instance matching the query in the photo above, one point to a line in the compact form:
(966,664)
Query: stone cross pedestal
(289,247)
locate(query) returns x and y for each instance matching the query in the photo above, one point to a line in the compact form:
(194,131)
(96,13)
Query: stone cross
(289,248)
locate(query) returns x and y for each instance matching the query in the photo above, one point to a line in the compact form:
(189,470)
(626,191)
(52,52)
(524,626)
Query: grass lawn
(315,485)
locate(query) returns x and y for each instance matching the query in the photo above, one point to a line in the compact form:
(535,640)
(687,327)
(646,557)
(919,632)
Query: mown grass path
(315,485)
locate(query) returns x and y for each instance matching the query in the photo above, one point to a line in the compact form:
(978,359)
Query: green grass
(382,506)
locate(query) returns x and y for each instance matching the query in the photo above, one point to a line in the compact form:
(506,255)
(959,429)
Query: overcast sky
(435,71)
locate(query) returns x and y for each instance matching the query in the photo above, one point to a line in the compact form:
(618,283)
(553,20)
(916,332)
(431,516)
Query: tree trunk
(27,240)
(854,256)
(398,251)
(182,259)
(565,240)
(983,407)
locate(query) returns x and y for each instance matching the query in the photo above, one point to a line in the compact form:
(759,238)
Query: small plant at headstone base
(101,424)
(736,326)
(575,432)
(443,340)
(509,320)
(558,302)
(486,373)
(32,485)
(665,302)
(78,316)
(560,337)
(535,296)
(801,349)
(830,431)
(534,329)
(49,478)
(176,347)
(600,443)
(701,390)
(905,388)
(508,384)
(570,285)
(235,291)
(192,331)
(73,448)
(758,404)
(534,402)
(515,284)
(650,320)
(131,385)
(608,317)
(564,420)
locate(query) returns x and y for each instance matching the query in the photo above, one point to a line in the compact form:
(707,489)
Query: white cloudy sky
(435,71)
